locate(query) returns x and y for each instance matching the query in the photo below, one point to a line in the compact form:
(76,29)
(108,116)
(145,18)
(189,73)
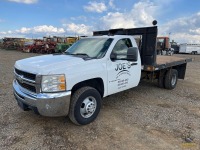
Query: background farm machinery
(64,43)
(12,43)
(47,45)
(39,46)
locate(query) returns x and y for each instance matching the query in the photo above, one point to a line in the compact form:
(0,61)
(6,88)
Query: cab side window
(121,47)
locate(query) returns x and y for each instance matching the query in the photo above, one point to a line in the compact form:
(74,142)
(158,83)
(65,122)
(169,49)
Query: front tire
(85,105)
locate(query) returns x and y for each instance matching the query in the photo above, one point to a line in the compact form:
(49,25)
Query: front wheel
(85,105)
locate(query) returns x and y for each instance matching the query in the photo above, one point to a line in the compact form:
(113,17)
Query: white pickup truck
(74,83)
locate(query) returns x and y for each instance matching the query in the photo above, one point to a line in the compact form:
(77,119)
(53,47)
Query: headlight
(53,83)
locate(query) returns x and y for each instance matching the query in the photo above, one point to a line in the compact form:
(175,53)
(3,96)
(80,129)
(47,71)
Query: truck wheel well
(181,70)
(96,83)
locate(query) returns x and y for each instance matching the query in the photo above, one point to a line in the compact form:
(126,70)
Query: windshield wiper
(82,54)
(68,53)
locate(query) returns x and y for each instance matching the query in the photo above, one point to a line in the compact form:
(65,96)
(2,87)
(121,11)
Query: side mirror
(113,56)
(132,54)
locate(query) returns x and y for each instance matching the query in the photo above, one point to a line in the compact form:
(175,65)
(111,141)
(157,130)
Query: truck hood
(47,64)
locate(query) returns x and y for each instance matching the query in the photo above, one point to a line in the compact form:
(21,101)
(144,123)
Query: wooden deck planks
(167,59)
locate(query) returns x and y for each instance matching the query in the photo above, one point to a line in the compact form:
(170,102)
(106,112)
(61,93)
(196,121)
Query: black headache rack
(148,46)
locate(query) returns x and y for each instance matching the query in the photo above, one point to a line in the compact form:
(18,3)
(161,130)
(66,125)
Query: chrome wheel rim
(88,107)
(173,81)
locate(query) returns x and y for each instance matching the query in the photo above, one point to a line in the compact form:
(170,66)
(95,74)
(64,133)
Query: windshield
(91,47)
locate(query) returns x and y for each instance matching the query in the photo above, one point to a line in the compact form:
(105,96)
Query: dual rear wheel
(168,79)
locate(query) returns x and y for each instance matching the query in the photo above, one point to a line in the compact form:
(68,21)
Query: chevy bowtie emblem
(20,78)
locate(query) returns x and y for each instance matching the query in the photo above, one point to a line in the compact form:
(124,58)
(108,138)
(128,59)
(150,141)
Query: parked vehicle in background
(175,46)
(71,40)
(63,43)
(39,46)
(164,46)
(28,46)
(61,47)
(189,48)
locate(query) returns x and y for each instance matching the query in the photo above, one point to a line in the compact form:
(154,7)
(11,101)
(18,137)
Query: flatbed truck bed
(170,60)
(163,62)
(162,65)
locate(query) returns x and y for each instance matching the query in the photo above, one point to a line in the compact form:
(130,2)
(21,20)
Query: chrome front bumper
(46,104)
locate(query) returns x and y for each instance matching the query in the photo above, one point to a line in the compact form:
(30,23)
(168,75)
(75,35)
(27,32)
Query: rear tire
(85,105)
(171,79)
(161,79)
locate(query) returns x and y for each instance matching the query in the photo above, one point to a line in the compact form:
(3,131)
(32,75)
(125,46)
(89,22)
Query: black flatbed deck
(163,62)
(170,61)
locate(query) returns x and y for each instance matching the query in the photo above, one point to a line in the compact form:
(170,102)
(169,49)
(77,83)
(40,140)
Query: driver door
(122,74)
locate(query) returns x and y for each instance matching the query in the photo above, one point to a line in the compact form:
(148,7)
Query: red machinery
(39,46)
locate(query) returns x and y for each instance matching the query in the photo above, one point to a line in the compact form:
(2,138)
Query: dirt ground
(142,118)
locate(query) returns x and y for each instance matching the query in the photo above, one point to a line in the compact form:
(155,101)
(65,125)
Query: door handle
(132,64)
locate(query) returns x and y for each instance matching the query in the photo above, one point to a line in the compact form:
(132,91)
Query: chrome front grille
(26,75)
(26,80)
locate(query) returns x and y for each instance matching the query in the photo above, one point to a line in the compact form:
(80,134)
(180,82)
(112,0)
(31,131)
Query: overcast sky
(38,18)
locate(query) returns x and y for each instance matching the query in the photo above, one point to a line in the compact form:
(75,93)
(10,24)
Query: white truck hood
(47,64)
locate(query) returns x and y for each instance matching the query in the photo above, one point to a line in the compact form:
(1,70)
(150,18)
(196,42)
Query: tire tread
(74,100)
(168,76)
